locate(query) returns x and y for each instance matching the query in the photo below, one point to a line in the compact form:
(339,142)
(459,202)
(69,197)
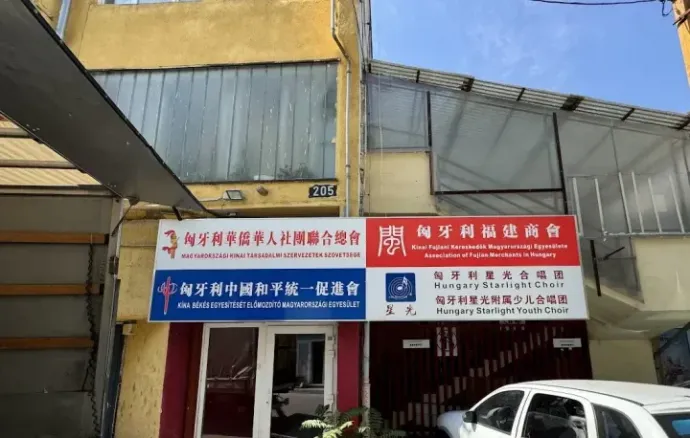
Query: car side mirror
(469,417)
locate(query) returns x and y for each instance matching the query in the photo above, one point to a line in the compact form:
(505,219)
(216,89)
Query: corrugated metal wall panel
(234,123)
(481,143)
(26,149)
(46,392)
(44,177)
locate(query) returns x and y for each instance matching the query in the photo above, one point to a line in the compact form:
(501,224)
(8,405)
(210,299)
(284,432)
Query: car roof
(642,394)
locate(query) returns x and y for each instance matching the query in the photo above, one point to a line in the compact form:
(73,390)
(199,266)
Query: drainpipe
(363,127)
(362,108)
(347,109)
(62,18)
(365,356)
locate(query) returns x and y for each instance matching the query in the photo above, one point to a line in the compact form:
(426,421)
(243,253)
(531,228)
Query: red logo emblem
(171,249)
(167,289)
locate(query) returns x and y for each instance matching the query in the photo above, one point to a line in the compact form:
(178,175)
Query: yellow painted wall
(229,32)
(137,251)
(209,32)
(49,9)
(679,8)
(165,35)
(398,184)
(139,407)
(630,360)
(663,270)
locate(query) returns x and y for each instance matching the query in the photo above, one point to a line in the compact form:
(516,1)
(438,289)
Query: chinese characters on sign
(424,269)
(276,289)
(232,238)
(238,270)
(474,268)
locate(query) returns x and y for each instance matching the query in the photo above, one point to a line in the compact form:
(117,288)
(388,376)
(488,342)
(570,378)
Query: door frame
(263,390)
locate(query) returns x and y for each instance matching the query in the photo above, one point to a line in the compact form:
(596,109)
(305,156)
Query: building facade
(256,107)
(264,109)
(450,145)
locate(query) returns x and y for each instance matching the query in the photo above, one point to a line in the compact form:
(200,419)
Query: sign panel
(474,268)
(323,191)
(259,270)
(416,344)
(381,269)
(567,343)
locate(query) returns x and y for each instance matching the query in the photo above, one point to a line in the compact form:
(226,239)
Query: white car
(574,409)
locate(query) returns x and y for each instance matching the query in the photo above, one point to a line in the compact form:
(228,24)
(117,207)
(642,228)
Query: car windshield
(676,425)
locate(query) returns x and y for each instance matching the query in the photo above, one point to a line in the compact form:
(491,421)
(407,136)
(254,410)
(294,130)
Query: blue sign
(258,295)
(401,287)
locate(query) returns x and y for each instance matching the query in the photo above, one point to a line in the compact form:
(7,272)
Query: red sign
(472,241)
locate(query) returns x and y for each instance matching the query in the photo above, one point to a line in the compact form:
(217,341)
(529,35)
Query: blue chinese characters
(258,295)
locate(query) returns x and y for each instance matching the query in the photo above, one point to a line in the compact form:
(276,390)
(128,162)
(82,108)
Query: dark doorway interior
(317,362)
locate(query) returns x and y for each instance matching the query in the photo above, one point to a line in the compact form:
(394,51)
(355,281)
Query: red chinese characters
(473,241)
(289,238)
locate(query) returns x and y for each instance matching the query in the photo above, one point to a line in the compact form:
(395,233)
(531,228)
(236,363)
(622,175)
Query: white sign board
(567,343)
(416,343)
(492,268)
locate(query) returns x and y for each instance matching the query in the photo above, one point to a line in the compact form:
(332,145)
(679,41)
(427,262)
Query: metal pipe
(366,382)
(31,164)
(647,234)
(595,266)
(625,203)
(13,133)
(676,203)
(559,158)
(62,18)
(362,144)
(361,185)
(578,212)
(656,211)
(637,202)
(601,212)
(348,75)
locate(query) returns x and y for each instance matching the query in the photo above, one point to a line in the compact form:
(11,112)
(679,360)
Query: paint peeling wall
(219,32)
(210,33)
(137,251)
(139,407)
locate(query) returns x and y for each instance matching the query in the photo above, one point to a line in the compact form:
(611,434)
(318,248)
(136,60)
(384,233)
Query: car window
(550,416)
(499,411)
(614,424)
(675,425)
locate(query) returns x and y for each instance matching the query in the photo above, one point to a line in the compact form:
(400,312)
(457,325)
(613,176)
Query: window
(550,416)
(499,411)
(614,424)
(675,425)
(234,123)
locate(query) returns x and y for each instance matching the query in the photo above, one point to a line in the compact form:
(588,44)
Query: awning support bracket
(178,215)
(132,203)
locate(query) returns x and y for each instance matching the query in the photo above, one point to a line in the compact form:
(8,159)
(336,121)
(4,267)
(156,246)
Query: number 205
(322,191)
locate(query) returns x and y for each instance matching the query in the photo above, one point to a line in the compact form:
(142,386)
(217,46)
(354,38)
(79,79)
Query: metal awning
(548,99)
(46,91)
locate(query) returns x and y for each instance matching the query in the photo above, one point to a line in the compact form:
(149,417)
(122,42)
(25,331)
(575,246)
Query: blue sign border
(258,295)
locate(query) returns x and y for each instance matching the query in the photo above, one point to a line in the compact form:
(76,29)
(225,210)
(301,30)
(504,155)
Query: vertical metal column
(430,143)
(595,266)
(559,158)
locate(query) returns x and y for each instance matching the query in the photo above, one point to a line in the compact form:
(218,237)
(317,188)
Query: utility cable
(584,3)
(664,11)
